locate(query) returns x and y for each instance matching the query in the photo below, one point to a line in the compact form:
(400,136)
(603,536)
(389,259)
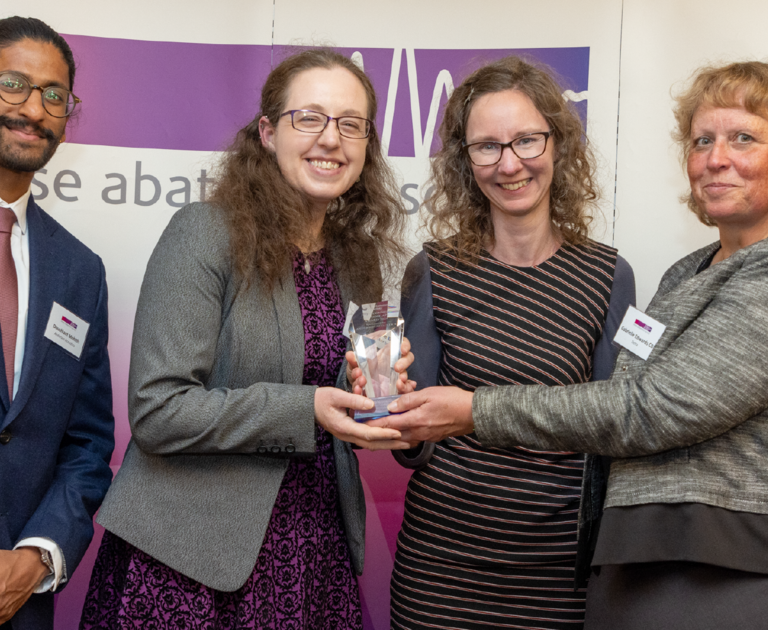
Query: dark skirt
(676,596)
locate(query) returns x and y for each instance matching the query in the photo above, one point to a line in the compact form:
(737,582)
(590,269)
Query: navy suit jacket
(57,436)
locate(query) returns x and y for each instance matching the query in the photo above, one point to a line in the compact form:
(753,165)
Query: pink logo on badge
(69,322)
(642,325)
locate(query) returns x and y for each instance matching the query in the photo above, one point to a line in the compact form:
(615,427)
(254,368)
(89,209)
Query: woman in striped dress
(511,291)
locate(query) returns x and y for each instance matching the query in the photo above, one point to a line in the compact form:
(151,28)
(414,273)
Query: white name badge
(67,330)
(639,333)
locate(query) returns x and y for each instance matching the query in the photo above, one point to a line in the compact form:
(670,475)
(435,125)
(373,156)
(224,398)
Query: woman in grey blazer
(683,541)
(239,501)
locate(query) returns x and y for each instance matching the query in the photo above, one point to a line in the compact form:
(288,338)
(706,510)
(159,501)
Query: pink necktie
(9,295)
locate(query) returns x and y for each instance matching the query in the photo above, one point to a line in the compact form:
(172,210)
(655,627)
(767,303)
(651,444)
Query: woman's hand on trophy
(332,408)
(431,414)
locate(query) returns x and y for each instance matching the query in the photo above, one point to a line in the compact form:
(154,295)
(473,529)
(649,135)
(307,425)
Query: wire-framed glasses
(526,147)
(309,121)
(15,89)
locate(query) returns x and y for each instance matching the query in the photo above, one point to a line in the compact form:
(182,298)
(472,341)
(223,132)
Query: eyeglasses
(314,122)
(526,147)
(15,89)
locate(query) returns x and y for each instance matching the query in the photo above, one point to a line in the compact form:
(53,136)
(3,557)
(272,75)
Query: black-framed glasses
(15,89)
(526,147)
(309,121)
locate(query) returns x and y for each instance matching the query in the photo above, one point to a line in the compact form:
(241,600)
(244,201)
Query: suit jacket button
(261,450)
(276,449)
(5,436)
(290,448)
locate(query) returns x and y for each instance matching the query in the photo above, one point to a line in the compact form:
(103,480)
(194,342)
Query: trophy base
(379,411)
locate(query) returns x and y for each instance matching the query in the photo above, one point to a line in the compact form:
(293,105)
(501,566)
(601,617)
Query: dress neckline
(486,253)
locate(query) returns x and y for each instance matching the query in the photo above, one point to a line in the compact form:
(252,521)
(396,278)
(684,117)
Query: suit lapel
(5,401)
(42,281)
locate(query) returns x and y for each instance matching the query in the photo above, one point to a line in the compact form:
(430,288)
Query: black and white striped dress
(489,534)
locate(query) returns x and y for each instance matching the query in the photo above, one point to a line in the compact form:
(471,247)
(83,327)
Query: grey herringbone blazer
(217,408)
(690,424)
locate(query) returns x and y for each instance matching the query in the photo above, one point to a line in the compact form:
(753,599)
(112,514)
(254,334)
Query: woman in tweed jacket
(683,541)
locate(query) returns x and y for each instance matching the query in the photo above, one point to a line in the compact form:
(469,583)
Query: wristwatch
(47,559)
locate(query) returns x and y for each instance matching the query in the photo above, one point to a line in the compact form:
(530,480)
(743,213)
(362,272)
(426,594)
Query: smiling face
(728,168)
(29,135)
(323,166)
(514,187)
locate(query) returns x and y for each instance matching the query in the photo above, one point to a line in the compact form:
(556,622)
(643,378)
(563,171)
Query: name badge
(639,333)
(67,330)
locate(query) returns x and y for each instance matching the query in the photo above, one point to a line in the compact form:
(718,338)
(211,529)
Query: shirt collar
(19,208)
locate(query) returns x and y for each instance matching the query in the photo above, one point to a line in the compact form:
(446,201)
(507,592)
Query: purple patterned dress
(303,577)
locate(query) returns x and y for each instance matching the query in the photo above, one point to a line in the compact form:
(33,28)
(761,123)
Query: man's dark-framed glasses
(309,121)
(526,147)
(15,89)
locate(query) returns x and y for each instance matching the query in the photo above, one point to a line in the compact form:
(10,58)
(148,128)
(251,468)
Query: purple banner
(571,64)
(169,95)
(164,95)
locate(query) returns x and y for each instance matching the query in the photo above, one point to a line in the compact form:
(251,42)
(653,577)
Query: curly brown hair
(267,216)
(460,220)
(741,84)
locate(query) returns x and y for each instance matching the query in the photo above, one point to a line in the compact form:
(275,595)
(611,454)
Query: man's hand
(21,571)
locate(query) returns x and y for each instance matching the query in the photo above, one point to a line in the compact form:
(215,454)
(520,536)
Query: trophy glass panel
(376,332)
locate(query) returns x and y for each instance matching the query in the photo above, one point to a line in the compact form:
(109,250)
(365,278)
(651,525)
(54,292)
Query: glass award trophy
(376,332)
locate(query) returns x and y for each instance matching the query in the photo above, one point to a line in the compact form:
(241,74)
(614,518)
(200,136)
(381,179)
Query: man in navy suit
(56,425)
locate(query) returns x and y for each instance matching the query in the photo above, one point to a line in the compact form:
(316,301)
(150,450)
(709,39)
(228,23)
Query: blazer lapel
(688,293)
(288,311)
(43,271)
(291,326)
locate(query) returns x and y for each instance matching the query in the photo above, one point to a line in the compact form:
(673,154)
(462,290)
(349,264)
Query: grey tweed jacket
(690,424)
(217,409)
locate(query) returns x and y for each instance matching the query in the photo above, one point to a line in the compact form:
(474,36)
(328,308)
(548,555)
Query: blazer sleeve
(82,474)
(622,296)
(712,377)
(421,330)
(180,314)
(420,327)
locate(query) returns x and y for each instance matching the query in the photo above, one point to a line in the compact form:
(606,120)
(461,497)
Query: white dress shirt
(20,253)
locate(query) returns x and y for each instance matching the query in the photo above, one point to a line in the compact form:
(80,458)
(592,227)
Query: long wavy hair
(267,216)
(460,219)
(742,84)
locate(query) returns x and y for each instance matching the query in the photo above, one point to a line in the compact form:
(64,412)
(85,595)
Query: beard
(16,158)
